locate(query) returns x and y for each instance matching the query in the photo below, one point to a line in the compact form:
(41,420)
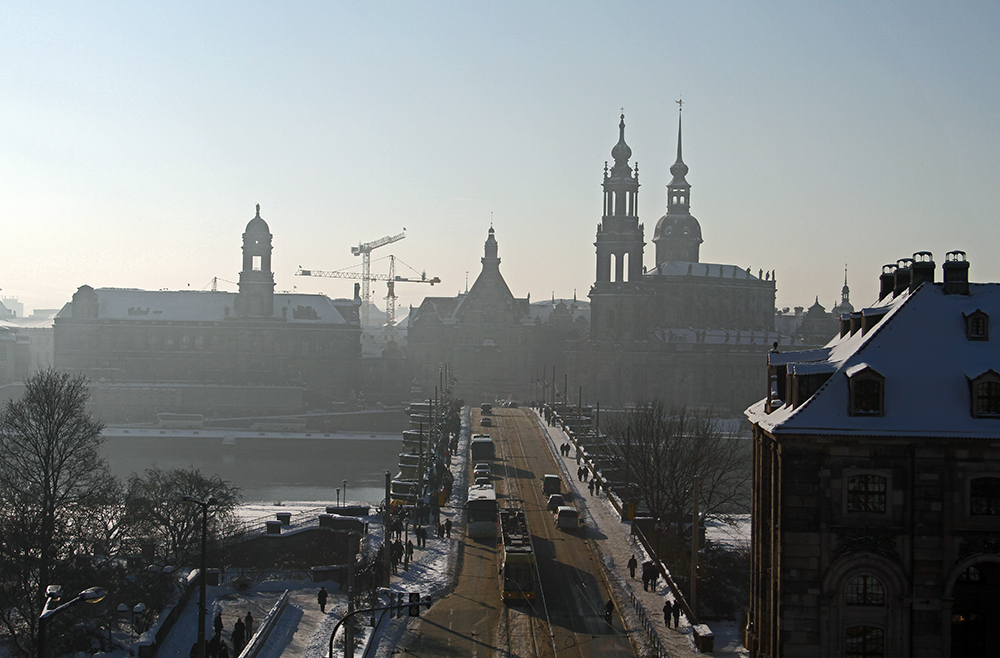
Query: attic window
(977,326)
(867,393)
(986,395)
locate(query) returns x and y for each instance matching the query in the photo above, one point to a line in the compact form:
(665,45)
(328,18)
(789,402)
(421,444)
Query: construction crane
(391,280)
(364,250)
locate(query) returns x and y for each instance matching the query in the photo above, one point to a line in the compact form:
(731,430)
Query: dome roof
(677,227)
(257,224)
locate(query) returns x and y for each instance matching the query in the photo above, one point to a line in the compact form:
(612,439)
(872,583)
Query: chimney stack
(922,269)
(956,273)
(887,281)
(903,273)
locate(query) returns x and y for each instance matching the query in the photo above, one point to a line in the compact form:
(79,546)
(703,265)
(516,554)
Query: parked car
(555,501)
(483,480)
(482,469)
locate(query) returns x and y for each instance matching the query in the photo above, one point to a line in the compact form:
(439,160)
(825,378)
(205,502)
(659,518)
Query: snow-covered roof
(132,304)
(921,347)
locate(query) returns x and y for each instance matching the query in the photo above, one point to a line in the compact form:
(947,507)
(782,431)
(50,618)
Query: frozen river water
(267,466)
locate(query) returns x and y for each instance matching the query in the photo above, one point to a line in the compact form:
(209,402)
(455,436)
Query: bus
(481,511)
(517,557)
(482,447)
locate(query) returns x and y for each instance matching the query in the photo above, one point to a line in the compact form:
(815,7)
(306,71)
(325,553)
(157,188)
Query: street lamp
(53,593)
(204,567)
(345,492)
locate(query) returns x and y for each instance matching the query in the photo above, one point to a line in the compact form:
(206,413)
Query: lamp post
(53,593)
(204,567)
(338,496)
(345,492)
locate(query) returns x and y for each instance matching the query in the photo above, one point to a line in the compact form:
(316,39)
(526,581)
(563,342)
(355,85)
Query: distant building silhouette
(687,332)
(247,352)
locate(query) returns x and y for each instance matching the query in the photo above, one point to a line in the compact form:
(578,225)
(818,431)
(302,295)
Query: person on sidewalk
(321,598)
(609,608)
(249,624)
(677,615)
(668,610)
(632,565)
(590,487)
(217,625)
(447,528)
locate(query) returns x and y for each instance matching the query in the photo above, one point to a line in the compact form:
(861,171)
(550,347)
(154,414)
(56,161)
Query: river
(268,467)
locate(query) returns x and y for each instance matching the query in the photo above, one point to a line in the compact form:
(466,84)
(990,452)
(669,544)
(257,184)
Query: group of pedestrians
(217,647)
(582,474)
(650,575)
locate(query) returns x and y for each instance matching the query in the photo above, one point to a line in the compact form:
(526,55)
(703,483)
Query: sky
(137,138)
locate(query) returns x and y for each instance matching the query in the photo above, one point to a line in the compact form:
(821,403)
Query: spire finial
(258,210)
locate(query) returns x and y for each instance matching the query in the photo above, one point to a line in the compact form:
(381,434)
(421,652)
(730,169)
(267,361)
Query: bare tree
(658,453)
(171,527)
(51,472)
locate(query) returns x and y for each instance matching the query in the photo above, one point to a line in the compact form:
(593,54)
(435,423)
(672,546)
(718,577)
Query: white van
(567,518)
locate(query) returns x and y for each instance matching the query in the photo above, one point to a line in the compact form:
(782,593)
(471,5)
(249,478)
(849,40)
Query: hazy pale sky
(135,138)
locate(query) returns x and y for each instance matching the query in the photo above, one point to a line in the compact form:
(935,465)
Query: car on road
(567,518)
(484,480)
(486,421)
(555,501)
(551,484)
(482,469)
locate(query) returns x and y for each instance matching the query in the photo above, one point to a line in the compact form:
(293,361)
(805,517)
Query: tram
(481,511)
(517,556)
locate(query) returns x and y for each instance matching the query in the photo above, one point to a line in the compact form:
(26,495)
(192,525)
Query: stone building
(876,490)
(484,336)
(255,337)
(684,331)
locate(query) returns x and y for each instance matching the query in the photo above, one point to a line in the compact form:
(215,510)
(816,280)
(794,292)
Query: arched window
(866,494)
(865,642)
(984,496)
(865,590)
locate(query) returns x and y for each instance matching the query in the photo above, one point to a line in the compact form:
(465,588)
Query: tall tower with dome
(256,296)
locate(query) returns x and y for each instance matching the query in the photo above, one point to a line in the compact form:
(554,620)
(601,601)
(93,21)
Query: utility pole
(695,540)
(386,521)
(349,628)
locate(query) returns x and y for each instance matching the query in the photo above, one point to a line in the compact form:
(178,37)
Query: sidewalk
(641,611)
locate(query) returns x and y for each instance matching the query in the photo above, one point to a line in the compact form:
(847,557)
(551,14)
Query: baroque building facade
(213,349)
(876,486)
(688,332)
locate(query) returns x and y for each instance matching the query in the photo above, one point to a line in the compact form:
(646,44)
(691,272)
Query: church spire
(679,191)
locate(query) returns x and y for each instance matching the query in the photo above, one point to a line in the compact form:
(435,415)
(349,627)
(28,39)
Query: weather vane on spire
(680,105)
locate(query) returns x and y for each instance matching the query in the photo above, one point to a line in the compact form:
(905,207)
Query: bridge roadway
(567,618)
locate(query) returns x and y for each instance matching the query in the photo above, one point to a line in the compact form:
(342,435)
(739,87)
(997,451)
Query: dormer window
(867,397)
(977,326)
(986,395)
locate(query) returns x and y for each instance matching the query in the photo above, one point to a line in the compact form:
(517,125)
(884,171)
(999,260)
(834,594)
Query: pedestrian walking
(223,650)
(647,568)
(677,614)
(579,473)
(632,564)
(609,608)
(447,528)
(217,625)
(214,644)
(239,636)
(248,620)
(668,610)
(590,487)
(321,598)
